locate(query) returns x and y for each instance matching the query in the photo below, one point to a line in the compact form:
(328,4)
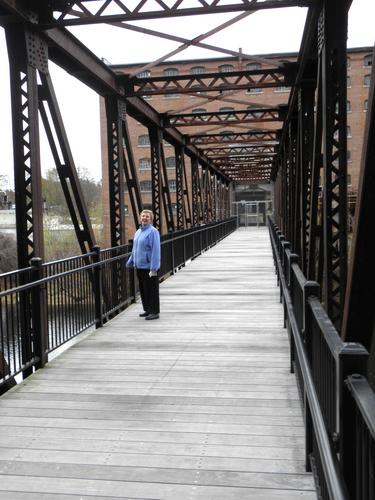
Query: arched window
(144,140)
(145,186)
(226,68)
(348,62)
(144,74)
(172,185)
(365,105)
(367,60)
(366,80)
(348,131)
(198,111)
(253,66)
(170,72)
(197,70)
(348,81)
(226,109)
(254,90)
(170,162)
(145,163)
(348,106)
(348,155)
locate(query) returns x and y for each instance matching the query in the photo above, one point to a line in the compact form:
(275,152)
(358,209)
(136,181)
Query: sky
(79,105)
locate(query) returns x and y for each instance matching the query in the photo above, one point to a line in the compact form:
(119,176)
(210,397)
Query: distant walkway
(198,405)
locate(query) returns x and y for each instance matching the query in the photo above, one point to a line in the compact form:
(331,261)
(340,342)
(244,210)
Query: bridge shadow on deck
(199,404)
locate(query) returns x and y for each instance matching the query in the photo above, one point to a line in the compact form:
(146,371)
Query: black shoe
(143,315)
(152,316)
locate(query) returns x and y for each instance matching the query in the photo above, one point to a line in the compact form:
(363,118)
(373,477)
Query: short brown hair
(150,212)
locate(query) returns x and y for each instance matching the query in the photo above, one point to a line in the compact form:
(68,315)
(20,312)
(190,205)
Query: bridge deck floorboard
(198,405)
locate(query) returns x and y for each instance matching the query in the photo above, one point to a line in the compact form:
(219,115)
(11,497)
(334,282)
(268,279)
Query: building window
(174,207)
(197,70)
(366,80)
(367,61)
(198,111)
(144,140)
(170,72)
(349,179)
(282,88)
(254,90)
(226,68)
(348,62)
(145,163)
(348,155)
(144,74)
(348,106)
(146,186)
(348,81)
(126,210)
(253,66)
(228,135)
(228,109)
(348,131)
(170,162)
(172,186)
(365,105)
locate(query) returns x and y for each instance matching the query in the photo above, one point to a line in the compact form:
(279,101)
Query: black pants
(149,288)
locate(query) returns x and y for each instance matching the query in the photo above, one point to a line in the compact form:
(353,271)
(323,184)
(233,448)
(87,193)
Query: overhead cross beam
(209,82)
(233,137)
(253,115)
(72,13)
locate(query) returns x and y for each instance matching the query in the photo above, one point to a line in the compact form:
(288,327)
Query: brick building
(359,69)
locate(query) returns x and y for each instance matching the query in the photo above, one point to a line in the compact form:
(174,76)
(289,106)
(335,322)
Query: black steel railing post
(39,314)
(98,288)
(132,276)
(352,359)
(311,288)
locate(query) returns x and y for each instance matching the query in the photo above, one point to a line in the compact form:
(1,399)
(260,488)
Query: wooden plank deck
(198,405)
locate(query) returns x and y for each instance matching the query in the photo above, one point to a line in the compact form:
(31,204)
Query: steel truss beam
(24,68)
(334,60)
(87,12)
(209,82)
(239,150)
(245,137)
(226,117)
(155,146)
(130,170)
(115,170)
(65,165)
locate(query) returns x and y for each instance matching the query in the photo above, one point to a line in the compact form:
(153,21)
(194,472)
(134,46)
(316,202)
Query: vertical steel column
(306,120)
(179,155)
(195,189)
(214,196)
(65,165)
(314,227)
(186,200)
(334,26)
(115,115)
(131,175)
(155,143)
(27,54)
(165,191)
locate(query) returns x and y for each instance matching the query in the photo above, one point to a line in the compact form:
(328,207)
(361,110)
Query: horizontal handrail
(329,460)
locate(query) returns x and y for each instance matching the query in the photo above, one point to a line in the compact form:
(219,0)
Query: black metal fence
(338,403)
(46,305)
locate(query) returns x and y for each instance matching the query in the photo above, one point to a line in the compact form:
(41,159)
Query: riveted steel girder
(234,138)
(253,115)
(87,12)
(209,82)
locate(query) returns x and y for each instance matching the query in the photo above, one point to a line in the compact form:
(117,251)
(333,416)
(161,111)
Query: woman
(145,257)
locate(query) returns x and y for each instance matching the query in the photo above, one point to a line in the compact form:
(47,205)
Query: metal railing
(339,413)
(46,305)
